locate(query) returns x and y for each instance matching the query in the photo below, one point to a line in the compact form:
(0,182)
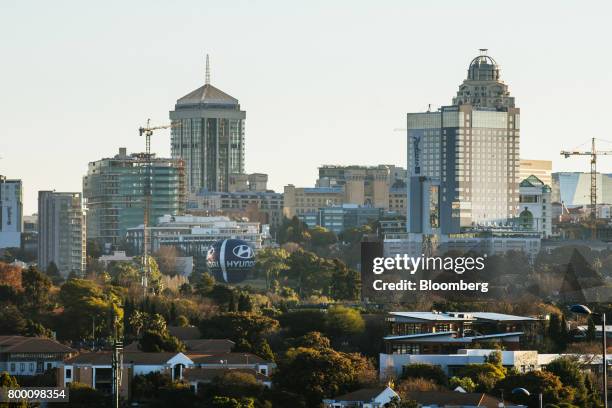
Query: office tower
(114,192)
(61,232)
(11,213)
(471,149)
(209,137)
(542,169)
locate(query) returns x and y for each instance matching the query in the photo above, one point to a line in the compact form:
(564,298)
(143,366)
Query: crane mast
(147,132)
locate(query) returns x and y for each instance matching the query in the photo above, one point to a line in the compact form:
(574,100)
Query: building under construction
(115,193)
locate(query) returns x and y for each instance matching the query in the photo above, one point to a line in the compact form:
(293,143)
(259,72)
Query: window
(69,373)
(13,367)
(21,367)
(31,367)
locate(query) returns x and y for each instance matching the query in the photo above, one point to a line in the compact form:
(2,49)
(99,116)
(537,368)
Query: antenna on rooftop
(207,71)
(483,52)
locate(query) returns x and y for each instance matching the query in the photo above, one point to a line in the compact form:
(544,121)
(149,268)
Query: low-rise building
(535,206)
(193,235)
(28,356)
(307,200)
(375,397)
(447,332)
(265,207)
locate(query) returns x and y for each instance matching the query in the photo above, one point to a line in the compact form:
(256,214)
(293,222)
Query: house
(446,332)
(375,397)
(95,368)
(20,355)
(198,346)
(452,399)
(198,375)
(232,360)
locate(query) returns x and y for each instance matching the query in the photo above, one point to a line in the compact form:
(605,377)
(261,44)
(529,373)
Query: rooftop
(207,94)
(462,316)
(364,394)
(22,344)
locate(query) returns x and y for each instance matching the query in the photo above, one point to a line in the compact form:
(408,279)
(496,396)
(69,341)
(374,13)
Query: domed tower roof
(483,68)
(483,86)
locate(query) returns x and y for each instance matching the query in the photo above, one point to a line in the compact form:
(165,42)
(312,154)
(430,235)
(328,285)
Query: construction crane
(147,132)
(593,153)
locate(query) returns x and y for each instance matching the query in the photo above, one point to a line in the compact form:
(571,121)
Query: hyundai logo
(243,251)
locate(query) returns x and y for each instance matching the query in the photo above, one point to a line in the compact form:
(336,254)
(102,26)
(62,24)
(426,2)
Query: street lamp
(523,391)
(582,309)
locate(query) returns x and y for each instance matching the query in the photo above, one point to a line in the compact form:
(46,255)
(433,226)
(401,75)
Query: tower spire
(207,71)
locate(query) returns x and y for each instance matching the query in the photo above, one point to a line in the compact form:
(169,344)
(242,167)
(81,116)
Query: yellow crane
(593,153)
(147,131)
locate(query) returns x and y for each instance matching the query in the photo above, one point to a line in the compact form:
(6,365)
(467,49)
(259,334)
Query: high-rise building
(11,213)
(542,169)
(209,137)
(61,232)
(114,192)
(471,150)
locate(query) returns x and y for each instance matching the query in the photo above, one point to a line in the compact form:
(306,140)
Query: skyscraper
(470,152)
(208,136)
(61,232)
(114,191)
(11,213)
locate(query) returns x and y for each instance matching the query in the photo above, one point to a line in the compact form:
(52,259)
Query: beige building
(303,200)
(542,169)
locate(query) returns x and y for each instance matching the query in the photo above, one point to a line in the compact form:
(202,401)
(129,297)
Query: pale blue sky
(322,81)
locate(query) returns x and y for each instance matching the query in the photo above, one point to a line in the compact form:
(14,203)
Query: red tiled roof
(22,344)
(129,357)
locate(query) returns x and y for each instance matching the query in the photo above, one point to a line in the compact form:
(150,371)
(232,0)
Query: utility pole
(117,362)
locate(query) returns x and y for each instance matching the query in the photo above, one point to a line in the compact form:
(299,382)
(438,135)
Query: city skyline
(98,87)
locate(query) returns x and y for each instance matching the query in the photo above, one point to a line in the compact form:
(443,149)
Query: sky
(322,82)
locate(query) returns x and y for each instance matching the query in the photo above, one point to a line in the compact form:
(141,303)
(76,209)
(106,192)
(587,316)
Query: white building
(194,235)
(61,232)
(11,213)
(375,397)
(535,206)
(28,356)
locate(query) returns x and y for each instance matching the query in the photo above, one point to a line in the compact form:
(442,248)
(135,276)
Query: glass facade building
(208,135)
(114,190)
(472,149)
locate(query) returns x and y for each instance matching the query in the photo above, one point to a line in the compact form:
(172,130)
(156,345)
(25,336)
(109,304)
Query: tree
(464,382)
(11,321)
(236,326)
(345,282)
(571,374)
(166,258)
(35,290)
(8,381)
(271,262)
(302,321)
(425,371)
(84,304)
(485,376)
(316,373)
(397,403)
(155,342)
(343,321)
(10,275)
(322,237)
(591,330)
(312,340)
(226,402)
(53,273)
(536,382)
(182,321)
